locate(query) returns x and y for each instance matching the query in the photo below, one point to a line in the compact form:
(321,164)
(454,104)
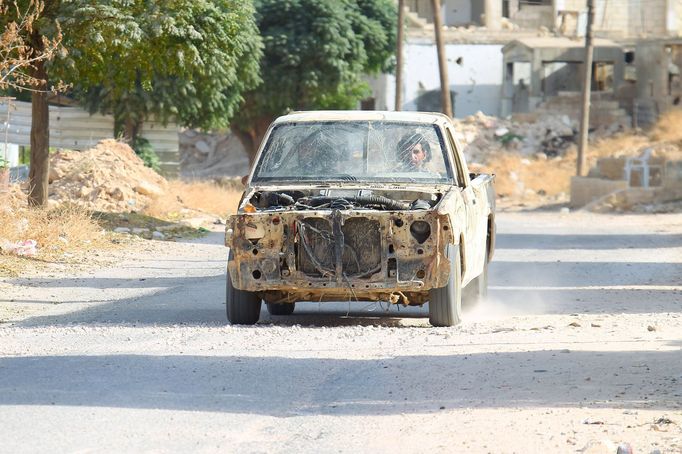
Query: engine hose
(362,200)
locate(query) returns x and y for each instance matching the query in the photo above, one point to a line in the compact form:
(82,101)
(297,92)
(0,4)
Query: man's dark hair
(408,142)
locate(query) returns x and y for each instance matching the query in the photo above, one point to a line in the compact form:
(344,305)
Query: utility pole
(399,57)
(587,89)
(446,102)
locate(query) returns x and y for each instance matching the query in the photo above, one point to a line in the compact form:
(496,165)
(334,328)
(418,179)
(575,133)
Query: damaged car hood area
(328,242)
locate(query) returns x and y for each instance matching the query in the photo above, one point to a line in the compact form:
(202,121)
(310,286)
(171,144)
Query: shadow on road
(523,287)
(588,242)
(279,386)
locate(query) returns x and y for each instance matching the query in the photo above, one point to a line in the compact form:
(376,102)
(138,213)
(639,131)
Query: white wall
(75,129)
(477,82)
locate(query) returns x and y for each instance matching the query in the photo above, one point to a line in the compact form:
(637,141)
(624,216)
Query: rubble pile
(207,156)
(483,135)
(108,177)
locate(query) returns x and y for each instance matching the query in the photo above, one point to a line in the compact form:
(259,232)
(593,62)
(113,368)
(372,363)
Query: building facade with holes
(476,33)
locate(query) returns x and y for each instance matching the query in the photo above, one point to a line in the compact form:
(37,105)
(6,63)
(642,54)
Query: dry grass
(62,234)
(524,178)
(521,177)
(205,197)
(669,127)
(627,144)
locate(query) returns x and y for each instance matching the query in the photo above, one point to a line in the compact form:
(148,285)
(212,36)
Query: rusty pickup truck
(360,206)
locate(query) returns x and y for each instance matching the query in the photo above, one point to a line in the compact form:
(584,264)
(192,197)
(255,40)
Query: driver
(414,152)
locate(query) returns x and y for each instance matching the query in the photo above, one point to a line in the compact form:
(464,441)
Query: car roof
(363,115)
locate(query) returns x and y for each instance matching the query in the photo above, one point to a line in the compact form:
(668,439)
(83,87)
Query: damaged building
(544,75)
(659,88)
(519,56)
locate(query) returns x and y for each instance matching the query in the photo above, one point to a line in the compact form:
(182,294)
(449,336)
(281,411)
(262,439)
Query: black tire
(445,304)
(476,290)
(243,308)
(281,309)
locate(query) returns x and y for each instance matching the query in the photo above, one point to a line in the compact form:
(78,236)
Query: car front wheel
(243,308)
(445,304)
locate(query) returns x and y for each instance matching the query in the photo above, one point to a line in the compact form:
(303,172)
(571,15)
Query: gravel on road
(578,345)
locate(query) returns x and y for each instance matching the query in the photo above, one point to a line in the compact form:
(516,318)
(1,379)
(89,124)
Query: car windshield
(381,151)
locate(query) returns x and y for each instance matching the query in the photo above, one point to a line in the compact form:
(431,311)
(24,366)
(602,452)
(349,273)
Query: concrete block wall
(533,16)
(673,175)
(634,18)
(604,112)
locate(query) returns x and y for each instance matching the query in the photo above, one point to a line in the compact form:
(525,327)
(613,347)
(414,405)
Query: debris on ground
(111,178)
(22,248)
(482,135)
(108,177)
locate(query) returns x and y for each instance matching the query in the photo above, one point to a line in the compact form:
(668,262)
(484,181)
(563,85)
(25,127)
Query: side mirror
(245,178)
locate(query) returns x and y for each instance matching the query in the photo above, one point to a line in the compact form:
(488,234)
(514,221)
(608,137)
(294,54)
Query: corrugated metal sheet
(75,129)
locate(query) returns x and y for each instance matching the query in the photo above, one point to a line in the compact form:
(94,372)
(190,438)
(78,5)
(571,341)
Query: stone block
(611,168)
(673,175)
(585,190)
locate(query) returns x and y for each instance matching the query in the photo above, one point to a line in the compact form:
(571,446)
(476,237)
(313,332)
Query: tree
(121,48)
(208,54)
(315,55)
(17,58)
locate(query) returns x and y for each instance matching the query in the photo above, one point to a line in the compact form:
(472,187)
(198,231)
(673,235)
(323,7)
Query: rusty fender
(332,254)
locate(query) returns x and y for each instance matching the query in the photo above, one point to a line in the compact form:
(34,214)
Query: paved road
(578,344)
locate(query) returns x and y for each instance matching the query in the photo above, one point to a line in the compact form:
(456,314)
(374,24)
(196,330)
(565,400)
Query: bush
(146,152)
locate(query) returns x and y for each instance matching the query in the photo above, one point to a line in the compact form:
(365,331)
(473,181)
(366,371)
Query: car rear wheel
(477,289)
(445,304)
(243,308)
(281,309)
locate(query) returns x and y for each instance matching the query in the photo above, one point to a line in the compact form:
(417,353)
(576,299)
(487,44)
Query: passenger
(414,152)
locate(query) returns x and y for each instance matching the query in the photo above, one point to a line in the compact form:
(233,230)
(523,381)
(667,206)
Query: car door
(471,261)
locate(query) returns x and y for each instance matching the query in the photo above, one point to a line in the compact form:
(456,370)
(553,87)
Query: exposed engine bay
(343,199)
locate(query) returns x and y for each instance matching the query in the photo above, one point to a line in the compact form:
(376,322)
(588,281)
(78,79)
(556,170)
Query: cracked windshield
(350,151)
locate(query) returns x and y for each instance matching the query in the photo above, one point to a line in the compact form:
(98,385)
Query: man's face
(417,155)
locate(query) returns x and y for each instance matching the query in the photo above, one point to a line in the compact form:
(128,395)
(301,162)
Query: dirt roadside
(578,347)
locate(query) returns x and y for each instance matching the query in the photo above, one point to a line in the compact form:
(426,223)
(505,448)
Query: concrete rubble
(483,135)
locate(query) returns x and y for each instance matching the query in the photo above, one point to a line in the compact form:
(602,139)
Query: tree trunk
(251,138)
(40,137)
(131,130)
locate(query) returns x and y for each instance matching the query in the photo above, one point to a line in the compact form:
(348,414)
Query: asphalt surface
(578,345)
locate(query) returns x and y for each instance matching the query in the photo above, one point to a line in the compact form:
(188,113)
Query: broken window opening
(354,151)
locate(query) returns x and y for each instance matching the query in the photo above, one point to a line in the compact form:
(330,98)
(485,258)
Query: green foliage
(186,61)
(316,52)
(509,137)
(146,152)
